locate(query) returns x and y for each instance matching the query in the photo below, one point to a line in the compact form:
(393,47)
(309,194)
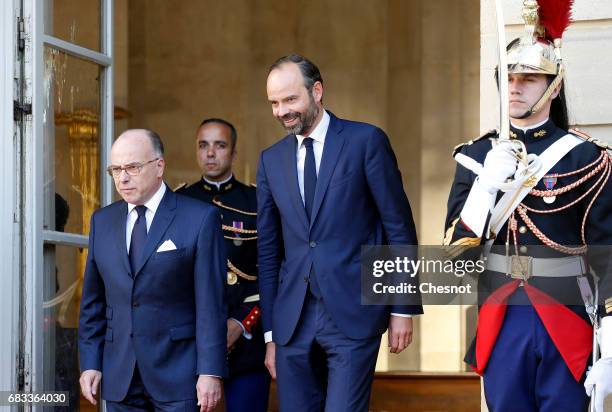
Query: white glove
(600,375)
(501,163)
(477,208)
(600,378)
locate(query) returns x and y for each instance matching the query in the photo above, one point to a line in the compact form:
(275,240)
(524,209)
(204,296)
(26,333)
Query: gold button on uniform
(523,249)
(523,229)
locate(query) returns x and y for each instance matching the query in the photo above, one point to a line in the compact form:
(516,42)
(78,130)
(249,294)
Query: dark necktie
(139,238)
(310,184)
(310,176)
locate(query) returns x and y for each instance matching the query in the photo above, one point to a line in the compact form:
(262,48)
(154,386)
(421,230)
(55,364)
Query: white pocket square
(166,246)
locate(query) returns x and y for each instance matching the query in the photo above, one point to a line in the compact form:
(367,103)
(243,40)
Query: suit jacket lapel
(290,164)
(163,217)
(119,235)
(334,141)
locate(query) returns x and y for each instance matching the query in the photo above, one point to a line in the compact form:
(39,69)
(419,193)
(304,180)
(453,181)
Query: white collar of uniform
(218,184)
(153,203)
(531,126)
(319,131)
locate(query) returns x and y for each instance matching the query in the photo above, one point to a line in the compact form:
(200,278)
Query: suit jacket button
(313,244)
(305,279)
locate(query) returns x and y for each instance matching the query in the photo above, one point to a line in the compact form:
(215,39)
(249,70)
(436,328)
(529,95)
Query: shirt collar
(153,203)
(215,187)
(319,132)
(218,184)
(531,126)
(533,132)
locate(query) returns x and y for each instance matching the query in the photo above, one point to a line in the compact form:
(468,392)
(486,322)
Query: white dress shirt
(151,205)
(318,137)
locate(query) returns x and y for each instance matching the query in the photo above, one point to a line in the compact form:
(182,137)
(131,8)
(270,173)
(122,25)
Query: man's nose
(124,176)
(281,110)
(513,87)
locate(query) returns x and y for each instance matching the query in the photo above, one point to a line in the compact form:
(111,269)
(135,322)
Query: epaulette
(180,186)
(599,143)
(489,134)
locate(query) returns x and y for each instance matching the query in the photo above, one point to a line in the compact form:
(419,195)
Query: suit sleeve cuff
(268,336)
(478,205)
(401,315)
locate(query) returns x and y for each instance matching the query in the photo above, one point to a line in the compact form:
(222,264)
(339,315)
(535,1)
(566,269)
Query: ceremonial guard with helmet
(247,387)
(539,203)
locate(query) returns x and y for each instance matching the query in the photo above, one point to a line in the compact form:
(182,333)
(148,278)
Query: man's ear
(317,92)
(162,165)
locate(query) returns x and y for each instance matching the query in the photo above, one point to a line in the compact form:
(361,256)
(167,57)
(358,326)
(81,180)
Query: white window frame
(34,236)
(9,230)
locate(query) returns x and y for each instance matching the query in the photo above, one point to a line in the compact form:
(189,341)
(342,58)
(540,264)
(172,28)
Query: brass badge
(540,133)
(232,279)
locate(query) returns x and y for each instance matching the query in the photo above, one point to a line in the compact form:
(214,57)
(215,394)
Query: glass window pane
(71,142)
(63,274)
(76,21)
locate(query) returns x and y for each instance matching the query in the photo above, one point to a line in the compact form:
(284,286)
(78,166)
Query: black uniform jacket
(237,204)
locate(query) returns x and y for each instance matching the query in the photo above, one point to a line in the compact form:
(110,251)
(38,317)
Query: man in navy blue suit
(153,317)
(327,188)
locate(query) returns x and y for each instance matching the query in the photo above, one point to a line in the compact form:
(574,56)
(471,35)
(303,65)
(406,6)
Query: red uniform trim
(570,333)
(490,321)
(251,319)
(465,226)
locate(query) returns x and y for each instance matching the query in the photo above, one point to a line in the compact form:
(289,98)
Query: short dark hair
(310,72)
(156,142)
(558,107)
(233,133)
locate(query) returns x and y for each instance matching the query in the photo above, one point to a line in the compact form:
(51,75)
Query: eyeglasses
(133,169)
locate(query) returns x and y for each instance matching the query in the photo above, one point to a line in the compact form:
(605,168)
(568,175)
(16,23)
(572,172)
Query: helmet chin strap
(549,91)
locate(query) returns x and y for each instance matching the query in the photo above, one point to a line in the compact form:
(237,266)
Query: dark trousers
(321,369)
(526,373)
(247,392)
(139,400)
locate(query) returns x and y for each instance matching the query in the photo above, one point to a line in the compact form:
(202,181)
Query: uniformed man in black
(248,385)
(543,239)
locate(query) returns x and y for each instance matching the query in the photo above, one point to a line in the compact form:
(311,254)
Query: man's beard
(305,120)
